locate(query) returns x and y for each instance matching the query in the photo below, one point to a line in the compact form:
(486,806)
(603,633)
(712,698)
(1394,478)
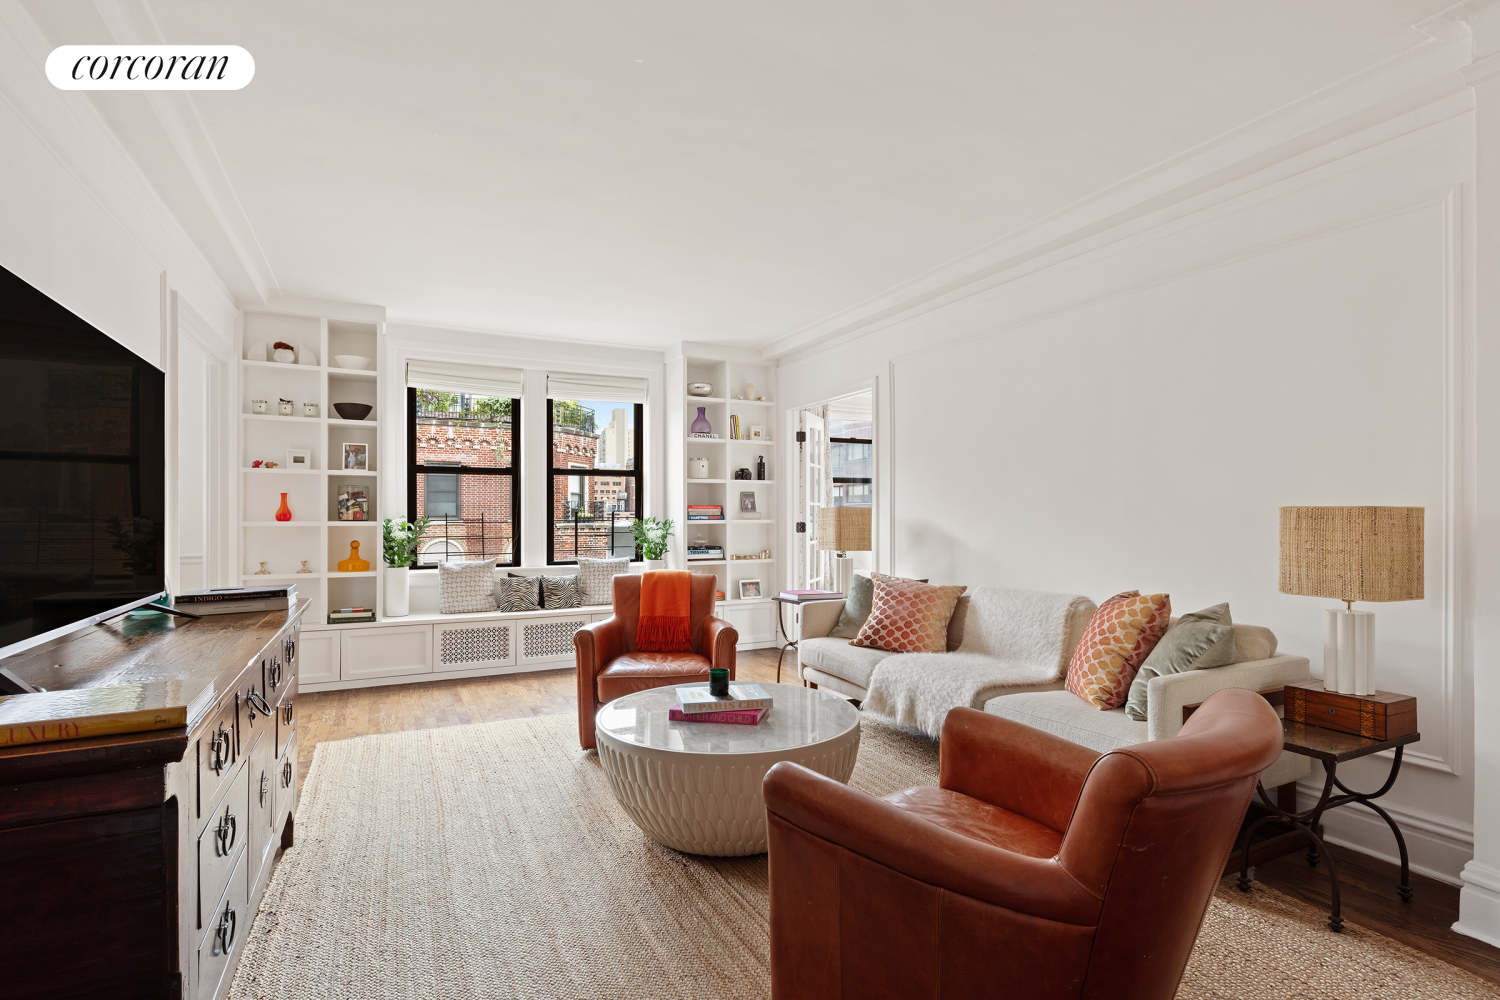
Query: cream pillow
(466,587)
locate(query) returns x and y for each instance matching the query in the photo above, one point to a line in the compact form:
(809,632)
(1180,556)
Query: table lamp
(843,530)
(1352,554)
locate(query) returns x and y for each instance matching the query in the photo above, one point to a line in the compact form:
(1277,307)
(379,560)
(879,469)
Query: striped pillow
(518,593)
(561,592)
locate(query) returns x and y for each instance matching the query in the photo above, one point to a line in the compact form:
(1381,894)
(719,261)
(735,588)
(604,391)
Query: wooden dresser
(132,866)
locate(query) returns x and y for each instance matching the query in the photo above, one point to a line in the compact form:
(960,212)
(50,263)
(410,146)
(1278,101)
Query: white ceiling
(660,171)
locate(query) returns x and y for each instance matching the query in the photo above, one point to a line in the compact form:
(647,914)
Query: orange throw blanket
(666,612)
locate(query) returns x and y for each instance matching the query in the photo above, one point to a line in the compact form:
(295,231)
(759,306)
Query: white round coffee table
(695,786)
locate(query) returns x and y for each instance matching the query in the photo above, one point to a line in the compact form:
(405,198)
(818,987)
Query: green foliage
(400,541)
(494,408)
(137,543)
(438,402)
(571,413)
(651,536)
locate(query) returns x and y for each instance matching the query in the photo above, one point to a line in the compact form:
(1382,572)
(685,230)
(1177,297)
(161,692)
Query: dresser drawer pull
(286,714)
(218,750)
(224,933)
(286,775)
(291,649)
(257,700)
(265,783)
(273,673)
(225,834)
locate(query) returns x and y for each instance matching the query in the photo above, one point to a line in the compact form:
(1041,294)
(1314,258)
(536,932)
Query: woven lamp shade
(844,529)
(1352,553)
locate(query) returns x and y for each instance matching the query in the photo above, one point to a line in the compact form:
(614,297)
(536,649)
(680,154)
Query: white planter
(397,591)
(651,564)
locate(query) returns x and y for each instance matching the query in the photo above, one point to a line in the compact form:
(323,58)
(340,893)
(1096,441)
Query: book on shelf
(700,554)
(347,616)
(716,509)
(700,517)
(84,713)
(749,717)
(742,698)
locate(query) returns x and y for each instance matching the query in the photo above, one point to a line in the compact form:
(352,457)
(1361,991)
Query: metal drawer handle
(286,775)
(291,649)
(273,675)
(286,714)
(224,933)
(257,700)
(218,750)
(265,782)
(225,834)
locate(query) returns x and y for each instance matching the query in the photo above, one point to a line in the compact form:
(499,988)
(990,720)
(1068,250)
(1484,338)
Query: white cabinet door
(385,652)
(317,657)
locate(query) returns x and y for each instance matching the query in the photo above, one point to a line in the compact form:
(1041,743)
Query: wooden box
(1378,716)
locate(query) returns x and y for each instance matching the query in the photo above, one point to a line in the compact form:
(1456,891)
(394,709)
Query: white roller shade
(602,388)
(473,380)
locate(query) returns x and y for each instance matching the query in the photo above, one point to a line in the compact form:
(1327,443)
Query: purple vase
(701,425)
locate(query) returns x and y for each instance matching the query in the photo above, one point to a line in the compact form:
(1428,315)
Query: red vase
(284,513)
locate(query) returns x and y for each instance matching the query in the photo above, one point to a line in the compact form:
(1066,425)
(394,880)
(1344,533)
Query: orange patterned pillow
(1120,636)
(908,616)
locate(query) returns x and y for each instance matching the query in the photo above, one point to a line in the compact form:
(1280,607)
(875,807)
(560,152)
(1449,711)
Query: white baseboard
(1479,904)
(1437,847)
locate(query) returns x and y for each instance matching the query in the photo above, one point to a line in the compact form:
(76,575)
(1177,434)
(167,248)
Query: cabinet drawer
(216,746)
(228,924)
(219,842)
(285,651)
(286,784)
(385,652)
(260,776)
(286,715)
(257,712)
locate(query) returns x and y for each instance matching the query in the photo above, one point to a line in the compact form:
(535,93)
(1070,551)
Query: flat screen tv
(82,472)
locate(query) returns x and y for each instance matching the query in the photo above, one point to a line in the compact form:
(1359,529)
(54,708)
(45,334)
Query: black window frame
(414,469)
(637,473)
(855,480)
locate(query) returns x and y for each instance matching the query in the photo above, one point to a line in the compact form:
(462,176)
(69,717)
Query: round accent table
(695,786)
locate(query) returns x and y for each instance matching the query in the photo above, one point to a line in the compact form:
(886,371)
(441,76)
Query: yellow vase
(354,564)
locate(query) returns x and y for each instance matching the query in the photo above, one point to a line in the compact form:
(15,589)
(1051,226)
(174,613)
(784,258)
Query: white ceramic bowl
(700,389)
(350,361)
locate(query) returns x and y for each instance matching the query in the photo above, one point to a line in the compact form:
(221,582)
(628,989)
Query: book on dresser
(236,600)
(49,716)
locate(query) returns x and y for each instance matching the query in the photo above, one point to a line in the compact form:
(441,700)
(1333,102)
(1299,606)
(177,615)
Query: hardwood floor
(1369,894)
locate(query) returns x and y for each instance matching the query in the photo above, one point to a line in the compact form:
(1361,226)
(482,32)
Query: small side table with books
(796,597)
(1347,727)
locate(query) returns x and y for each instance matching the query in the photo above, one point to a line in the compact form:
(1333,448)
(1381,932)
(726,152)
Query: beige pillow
(466,587)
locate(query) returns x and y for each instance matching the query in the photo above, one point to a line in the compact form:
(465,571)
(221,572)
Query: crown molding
(1421,76)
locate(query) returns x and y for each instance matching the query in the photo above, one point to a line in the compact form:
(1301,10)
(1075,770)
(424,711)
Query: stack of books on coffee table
(746,705)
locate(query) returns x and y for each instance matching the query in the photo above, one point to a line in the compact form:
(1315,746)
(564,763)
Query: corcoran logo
(150,67)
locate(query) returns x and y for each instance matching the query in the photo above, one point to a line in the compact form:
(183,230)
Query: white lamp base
(1349,651)
(843,573)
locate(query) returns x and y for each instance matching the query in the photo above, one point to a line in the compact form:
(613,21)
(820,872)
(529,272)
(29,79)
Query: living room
(531,365)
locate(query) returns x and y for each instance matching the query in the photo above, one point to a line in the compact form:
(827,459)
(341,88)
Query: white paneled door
(813,452)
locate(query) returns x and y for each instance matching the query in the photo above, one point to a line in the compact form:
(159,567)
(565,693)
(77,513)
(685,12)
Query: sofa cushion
(856,607)
(517,593)
(842,659)
(644,671)
(1064,714)
(1197,641)
(1120,636)
(561,592)
(908,616)
(1253,642)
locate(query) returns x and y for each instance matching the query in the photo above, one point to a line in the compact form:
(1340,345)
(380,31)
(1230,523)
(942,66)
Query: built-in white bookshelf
(739,533)
(315,532)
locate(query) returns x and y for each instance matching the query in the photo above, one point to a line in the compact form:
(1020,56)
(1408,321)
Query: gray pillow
(466,587)
(596,579)
(561,592)
(519,593)
(1198,641)
(856,608)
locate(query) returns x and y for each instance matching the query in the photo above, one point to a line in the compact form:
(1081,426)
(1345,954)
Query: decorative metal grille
(473,645)
(550,638)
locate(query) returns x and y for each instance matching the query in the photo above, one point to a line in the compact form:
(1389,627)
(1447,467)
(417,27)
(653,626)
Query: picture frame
(298,459)
(356,457)
(757,432)
(749,590)
(747,502)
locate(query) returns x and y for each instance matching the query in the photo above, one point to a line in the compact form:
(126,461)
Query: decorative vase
(397,591)
(354,564)
(701,425)
(700,389)
(283,513)
(655,564)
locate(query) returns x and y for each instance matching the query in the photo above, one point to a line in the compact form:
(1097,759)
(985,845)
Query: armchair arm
(1168,695)
(816,619)
(896,839)
(1013,766)
(593,647)
(719,641)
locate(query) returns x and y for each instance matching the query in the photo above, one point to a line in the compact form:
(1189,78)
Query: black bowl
(353,411)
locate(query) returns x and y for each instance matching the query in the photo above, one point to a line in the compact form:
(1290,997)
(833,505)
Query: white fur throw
(1011,638)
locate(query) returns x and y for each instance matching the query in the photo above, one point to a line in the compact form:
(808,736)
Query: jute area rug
(491,861)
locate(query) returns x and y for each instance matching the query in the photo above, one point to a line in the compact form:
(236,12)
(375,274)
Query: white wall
(1130,409)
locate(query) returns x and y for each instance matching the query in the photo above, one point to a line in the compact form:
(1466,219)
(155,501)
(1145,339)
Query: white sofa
(834,664)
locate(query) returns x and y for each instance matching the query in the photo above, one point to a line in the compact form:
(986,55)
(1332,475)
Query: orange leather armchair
(610,667)
(1037,868)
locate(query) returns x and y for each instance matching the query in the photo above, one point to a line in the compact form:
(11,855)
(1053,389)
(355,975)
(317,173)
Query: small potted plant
(400,544)
(651,536)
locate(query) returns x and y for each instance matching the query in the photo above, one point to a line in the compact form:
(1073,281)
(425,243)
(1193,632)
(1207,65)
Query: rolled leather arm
(719,641)
(593,647)
(1013,766)
(892,837)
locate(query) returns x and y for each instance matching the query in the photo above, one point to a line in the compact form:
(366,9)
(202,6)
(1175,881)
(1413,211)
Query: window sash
(636,474)
(442,527)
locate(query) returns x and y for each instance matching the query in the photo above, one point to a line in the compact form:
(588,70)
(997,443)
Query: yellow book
(50,716)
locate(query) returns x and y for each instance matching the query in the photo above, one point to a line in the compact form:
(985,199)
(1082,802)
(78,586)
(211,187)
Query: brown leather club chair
(609,666)
(1037,868)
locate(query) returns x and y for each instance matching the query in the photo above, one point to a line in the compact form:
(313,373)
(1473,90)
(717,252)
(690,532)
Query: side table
(1332,748)
(788,642)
